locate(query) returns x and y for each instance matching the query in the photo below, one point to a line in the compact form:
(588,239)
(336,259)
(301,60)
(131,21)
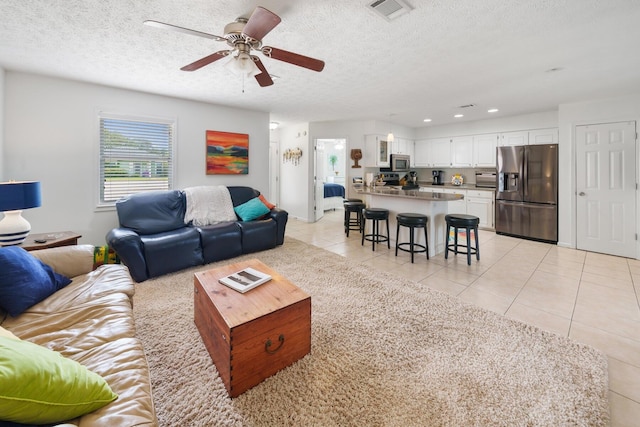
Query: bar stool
(376,215)
(413,221)
(352,200)
(469,223)
(353,223)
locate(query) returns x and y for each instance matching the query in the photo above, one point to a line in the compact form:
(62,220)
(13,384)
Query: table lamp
(14,197)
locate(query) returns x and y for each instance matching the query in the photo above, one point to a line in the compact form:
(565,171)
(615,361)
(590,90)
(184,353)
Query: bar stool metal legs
(469,223)
(376,215)
(353,223)
(412,221)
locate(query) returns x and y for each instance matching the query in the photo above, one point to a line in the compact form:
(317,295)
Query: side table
(51,240)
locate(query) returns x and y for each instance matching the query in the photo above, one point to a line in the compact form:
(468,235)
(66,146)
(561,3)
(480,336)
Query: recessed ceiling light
(457,116)
(426,120)
(493,110)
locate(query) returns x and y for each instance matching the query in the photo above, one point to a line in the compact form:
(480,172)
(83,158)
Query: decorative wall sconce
(292,155)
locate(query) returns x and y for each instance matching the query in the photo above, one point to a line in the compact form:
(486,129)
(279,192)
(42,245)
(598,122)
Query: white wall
(295,196)
(582,113)
(51,135)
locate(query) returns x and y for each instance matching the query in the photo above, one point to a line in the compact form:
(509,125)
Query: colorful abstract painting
(227,153)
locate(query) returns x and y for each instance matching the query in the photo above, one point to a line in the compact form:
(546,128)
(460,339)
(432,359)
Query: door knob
(581,193)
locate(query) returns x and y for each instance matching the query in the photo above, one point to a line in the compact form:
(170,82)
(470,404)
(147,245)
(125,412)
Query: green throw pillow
(253,209)
(39,386)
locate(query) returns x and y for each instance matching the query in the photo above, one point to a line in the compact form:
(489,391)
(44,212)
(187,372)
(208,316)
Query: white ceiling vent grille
(390,9)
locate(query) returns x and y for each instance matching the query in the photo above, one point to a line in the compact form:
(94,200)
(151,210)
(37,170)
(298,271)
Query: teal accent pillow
(39,386)
(253,209)
(25,280)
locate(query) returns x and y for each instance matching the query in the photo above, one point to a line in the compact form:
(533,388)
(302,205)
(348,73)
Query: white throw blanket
(208,205)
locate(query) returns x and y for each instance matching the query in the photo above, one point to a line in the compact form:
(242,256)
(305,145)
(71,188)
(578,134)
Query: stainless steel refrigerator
(527,192)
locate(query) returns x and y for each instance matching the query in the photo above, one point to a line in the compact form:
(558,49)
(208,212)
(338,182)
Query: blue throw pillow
(25,280)
(253,209)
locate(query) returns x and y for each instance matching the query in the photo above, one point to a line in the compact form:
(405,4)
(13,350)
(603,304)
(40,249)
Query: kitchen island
(422,201)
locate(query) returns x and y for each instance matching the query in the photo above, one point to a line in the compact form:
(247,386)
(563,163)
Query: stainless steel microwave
(400,162)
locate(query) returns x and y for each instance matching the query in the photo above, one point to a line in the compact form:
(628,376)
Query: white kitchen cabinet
(440,152)
(484,150)
(462,151)
(480,203)
(402,146)
(514,138)
(457,206)
(376,151)
(422,155)
(543,136)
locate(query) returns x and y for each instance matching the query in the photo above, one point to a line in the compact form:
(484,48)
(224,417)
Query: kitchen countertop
(393,191)
(449,185)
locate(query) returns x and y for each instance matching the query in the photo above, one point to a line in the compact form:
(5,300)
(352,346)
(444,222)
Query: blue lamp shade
(14,197)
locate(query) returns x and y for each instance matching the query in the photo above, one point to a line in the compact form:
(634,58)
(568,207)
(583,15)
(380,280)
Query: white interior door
(318,174)
(606,188)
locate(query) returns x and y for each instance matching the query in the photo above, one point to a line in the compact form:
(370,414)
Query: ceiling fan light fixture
(242,65)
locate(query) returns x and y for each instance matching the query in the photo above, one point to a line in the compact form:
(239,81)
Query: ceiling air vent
(390,9)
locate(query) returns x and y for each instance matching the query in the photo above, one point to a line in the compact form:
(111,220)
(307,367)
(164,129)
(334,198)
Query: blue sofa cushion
(220,241)
(258,235)
(152,212)
(172,251)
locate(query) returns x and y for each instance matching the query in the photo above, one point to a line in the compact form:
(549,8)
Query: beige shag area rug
(385,352)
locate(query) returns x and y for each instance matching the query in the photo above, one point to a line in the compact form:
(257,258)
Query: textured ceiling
(492,53)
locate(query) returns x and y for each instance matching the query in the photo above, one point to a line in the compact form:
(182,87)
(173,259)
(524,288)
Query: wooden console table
(37,241)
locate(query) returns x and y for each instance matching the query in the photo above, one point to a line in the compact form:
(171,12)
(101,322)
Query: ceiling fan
(244,36)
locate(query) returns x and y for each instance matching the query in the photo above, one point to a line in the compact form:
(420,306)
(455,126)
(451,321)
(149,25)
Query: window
(135,156)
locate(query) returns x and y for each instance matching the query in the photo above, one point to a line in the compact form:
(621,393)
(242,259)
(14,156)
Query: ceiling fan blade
(293,58)
(260,23)
(263,79)
(206,60)
(164,26)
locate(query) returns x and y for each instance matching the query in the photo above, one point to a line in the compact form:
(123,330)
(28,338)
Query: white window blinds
(135,156)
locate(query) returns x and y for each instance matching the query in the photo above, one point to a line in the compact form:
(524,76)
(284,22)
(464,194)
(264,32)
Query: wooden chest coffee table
(251,336)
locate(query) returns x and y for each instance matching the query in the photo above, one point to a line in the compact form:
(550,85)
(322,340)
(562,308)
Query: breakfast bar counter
(396,200)
(422,193)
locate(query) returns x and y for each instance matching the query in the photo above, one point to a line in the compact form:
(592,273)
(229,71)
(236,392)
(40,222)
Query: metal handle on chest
(267,345)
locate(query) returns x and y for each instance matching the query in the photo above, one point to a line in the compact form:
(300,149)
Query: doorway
(606,188)
(330,166)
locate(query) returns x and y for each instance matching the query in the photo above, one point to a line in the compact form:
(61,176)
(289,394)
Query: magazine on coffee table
(245,279)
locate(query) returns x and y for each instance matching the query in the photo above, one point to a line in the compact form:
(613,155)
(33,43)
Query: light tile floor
(590,297)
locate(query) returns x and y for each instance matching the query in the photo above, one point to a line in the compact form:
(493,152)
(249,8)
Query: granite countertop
(449,185)
(392,191)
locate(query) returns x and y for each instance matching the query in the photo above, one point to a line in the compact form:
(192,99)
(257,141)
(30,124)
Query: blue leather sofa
(153,239)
